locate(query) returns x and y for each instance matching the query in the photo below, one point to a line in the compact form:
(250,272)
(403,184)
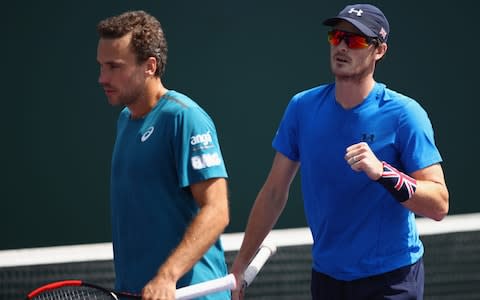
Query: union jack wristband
(400,185)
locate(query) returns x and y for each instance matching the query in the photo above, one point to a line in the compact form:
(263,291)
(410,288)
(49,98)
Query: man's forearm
(202,233)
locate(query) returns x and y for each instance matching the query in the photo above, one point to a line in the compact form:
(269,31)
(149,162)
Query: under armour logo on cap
(367,18)
(358,12)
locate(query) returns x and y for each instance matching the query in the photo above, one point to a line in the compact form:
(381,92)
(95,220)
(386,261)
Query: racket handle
(257,263)
(227,282)
(208,287)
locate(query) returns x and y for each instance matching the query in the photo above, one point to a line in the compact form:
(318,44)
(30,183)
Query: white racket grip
(208,287)
(263,254)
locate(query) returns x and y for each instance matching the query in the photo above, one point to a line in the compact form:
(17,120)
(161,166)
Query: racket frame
(227,282)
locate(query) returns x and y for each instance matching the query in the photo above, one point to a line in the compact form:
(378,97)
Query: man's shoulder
(397,96)
(178,100)
(402,102)
(178,104)
(313,93)
(182,108)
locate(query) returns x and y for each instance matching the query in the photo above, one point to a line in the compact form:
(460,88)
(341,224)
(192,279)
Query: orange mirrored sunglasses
(353,40)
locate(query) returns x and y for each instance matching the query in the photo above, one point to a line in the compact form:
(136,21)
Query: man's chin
(113,101)
(339,72)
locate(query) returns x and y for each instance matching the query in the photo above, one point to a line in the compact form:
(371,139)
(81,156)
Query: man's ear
(380,51)
(151,66)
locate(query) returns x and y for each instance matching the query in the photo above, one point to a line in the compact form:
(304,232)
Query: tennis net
(452,263)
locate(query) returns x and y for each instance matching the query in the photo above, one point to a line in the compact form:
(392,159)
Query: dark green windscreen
(242,61)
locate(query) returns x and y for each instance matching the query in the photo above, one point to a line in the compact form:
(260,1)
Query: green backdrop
(242,61)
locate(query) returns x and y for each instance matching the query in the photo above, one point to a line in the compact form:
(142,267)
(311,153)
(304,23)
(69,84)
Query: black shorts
(400,284)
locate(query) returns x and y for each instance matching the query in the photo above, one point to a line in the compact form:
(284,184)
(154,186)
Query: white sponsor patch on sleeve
(206,160)
(204,138)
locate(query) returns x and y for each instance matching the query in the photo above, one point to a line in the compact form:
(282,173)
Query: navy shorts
(400,284)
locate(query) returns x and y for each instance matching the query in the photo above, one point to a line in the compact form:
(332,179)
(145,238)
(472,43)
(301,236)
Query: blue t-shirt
(358,228)
(154,160)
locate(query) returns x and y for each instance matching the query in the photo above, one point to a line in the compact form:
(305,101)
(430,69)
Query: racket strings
(74,293)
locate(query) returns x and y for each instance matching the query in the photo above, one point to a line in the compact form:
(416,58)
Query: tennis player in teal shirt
(168,179)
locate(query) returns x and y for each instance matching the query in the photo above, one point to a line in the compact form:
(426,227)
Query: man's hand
(361,159)
(159,288)
(239,292)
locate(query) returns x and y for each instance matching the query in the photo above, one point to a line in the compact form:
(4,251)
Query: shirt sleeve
(197,150)
(416,139)
(286,137)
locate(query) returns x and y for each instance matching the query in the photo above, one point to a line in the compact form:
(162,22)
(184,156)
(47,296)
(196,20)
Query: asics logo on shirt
(203,138)
(147,134)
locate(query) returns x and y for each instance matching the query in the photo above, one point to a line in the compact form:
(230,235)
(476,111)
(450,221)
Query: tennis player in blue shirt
(168,180)
(368,162)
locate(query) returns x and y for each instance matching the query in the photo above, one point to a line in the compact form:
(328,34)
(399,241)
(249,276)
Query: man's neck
(153,92)
(349,93)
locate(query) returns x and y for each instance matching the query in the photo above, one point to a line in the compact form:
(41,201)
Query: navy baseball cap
(367,18)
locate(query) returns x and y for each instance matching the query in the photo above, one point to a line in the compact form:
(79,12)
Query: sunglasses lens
(335,37)
(357,42)
(353,41)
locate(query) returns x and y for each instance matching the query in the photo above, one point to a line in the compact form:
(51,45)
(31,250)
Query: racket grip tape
(208,287)
(263,254)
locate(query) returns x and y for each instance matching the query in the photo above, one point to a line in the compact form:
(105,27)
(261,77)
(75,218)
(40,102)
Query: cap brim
(364,29)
